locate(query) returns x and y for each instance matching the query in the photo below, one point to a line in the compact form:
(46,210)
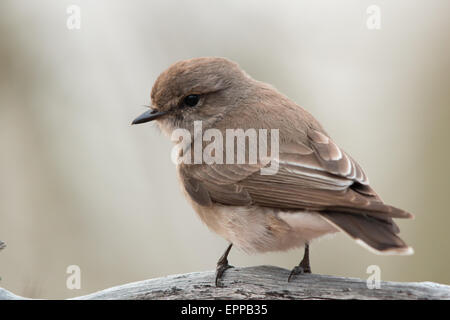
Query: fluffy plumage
(319,188)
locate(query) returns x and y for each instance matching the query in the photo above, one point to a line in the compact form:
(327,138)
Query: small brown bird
(318,188)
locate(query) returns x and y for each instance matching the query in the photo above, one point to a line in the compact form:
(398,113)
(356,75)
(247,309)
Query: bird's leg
(222,264)
(304,266)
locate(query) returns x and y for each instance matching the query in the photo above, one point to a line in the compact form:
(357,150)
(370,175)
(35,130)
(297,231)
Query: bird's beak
(148,115)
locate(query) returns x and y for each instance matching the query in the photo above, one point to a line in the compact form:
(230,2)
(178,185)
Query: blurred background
(80,186)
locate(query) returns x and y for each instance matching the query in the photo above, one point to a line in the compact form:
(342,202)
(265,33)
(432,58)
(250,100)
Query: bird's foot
(221,268)
(299,270)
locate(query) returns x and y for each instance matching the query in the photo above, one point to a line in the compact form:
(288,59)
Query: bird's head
(196,89)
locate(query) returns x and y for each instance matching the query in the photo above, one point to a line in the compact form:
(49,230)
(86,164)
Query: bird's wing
(316,176)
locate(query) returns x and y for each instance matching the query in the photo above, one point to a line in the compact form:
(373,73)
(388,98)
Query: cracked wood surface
(263,282)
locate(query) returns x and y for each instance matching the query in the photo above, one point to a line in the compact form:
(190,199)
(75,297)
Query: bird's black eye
(191,100)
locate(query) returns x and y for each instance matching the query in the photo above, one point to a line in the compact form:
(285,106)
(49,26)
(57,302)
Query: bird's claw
(221,268)
(298,270)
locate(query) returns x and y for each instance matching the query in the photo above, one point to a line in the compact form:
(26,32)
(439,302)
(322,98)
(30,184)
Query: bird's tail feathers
(377,235)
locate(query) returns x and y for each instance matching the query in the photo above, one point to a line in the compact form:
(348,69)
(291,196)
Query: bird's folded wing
(316,175)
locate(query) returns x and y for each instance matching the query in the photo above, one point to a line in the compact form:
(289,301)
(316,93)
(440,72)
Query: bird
(318,188)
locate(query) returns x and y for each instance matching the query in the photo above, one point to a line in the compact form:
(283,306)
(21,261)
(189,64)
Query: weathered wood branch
(263,282)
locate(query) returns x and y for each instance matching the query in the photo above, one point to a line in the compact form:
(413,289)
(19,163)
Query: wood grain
(264,282)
